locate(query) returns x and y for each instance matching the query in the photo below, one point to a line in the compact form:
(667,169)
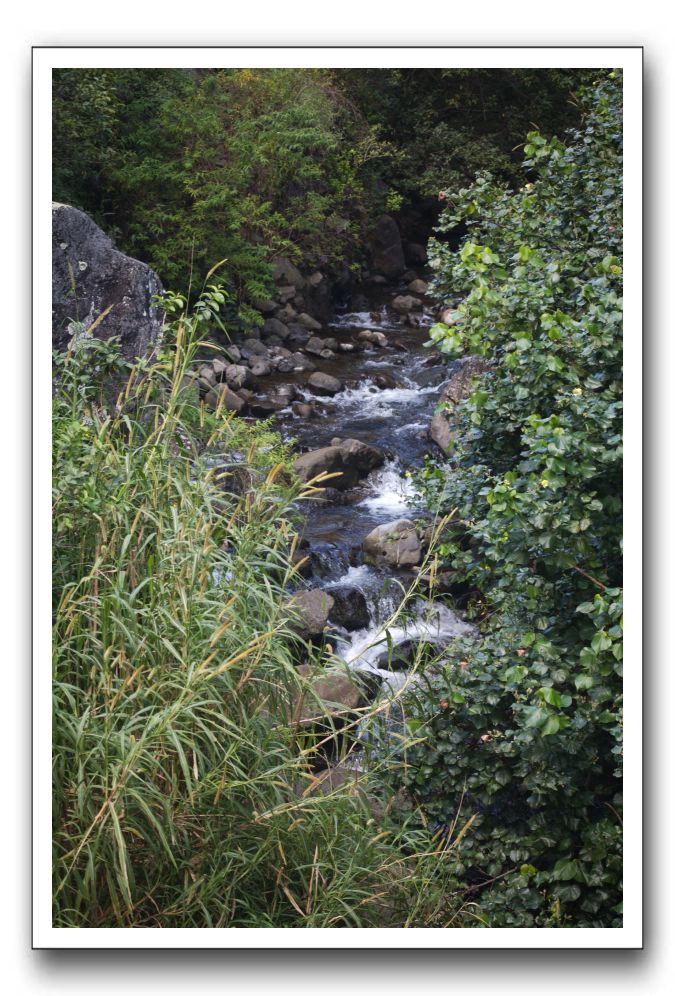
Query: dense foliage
(187,167)
(524,726)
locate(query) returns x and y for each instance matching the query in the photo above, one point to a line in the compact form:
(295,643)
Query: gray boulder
(373,337)
(274,327)
(418,286)
(394,543)
(286,272)
(308,322)
(458,387)
(404,303)
(251,348)
(311,610)
(221,396)
(238,376)
(91,278)
(323,383)
(386,248)
(351,459)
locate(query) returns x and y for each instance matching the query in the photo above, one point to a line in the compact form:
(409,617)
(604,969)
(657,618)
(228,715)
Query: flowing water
(390,395)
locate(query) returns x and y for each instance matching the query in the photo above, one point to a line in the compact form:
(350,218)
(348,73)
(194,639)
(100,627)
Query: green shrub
(524,726)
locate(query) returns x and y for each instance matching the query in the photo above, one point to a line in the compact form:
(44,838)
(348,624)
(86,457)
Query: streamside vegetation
(525,725)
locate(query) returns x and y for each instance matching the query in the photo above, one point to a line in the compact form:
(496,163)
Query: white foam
(392,492)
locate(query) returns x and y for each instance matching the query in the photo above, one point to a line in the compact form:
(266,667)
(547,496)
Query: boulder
(232,353)
(302,362)
(315,346)
(221,396)
(311,610)
(308,322)
(323,383)
(266,306)
(336,691)
(219,368)
(315,279)
(286,314)
(394,543)
(374,337)
(274,327)
(238,376)
(286,293)
(251,348)
(286,272)
(261,367)
(386,248)
(91,279)
(441,433)
(207,373)
(403,303)
(302,410)
(418,286)
(350,609)
(352,459)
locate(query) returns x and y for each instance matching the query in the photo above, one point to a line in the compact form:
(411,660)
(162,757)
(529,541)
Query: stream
(390,394)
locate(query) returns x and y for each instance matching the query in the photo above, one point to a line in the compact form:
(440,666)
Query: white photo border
(630,60)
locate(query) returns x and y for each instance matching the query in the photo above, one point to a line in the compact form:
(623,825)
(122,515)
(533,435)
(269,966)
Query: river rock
(222,396)
(302,410)
(274,327)
(252,348)
(286,314)
(418,286)
(308,322)
(232,353)
(207,373)
(89,276)
(416,253)
(323,383)
(403,303)
(302,362)
(374,337)
(286,293)
(261,367)
(315,346)
(219,367)
(350,609)
(314,279)
(394,543)
(336,691)
(352,459)
(386,248)
(265,306)
(450,316)
(237,376)
(311,610)
(286,272)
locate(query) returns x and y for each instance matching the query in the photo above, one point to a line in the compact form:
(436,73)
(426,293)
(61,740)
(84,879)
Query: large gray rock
(394,543)
(351,459)
(350,609)
(386,248)
(458,387)
(286,272)
(404,303)
(222,396)
(311,610)
(323,383)
(90,276)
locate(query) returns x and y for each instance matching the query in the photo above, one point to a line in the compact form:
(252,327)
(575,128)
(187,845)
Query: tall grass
(179,769)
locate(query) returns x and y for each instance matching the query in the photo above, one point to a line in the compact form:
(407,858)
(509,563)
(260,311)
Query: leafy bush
(524,726)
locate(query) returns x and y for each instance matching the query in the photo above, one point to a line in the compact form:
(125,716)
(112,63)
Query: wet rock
(261,367)
(302,410)
(329,692)
(251,348)
(350,609)
(221,396)
(401,346)
(346,347)
(386,247)
(308,322)
(232,353)
(311,610)
(384,382)
(374,337)
(441,433)
(394,543)
(286,293)
(89,276)
(286,314)
(403,303)
(274,327)
(238,376)
(315,346)
(302,362)
(206,373)
(286,272)
(352,459)
(283,365)
(219,368)
(315,279)
(418,286)
(402,656)
(297,336)
(323,383)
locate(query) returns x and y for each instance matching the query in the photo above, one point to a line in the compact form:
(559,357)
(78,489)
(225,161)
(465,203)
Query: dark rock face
(89,276)
(386,248)
(350,609)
